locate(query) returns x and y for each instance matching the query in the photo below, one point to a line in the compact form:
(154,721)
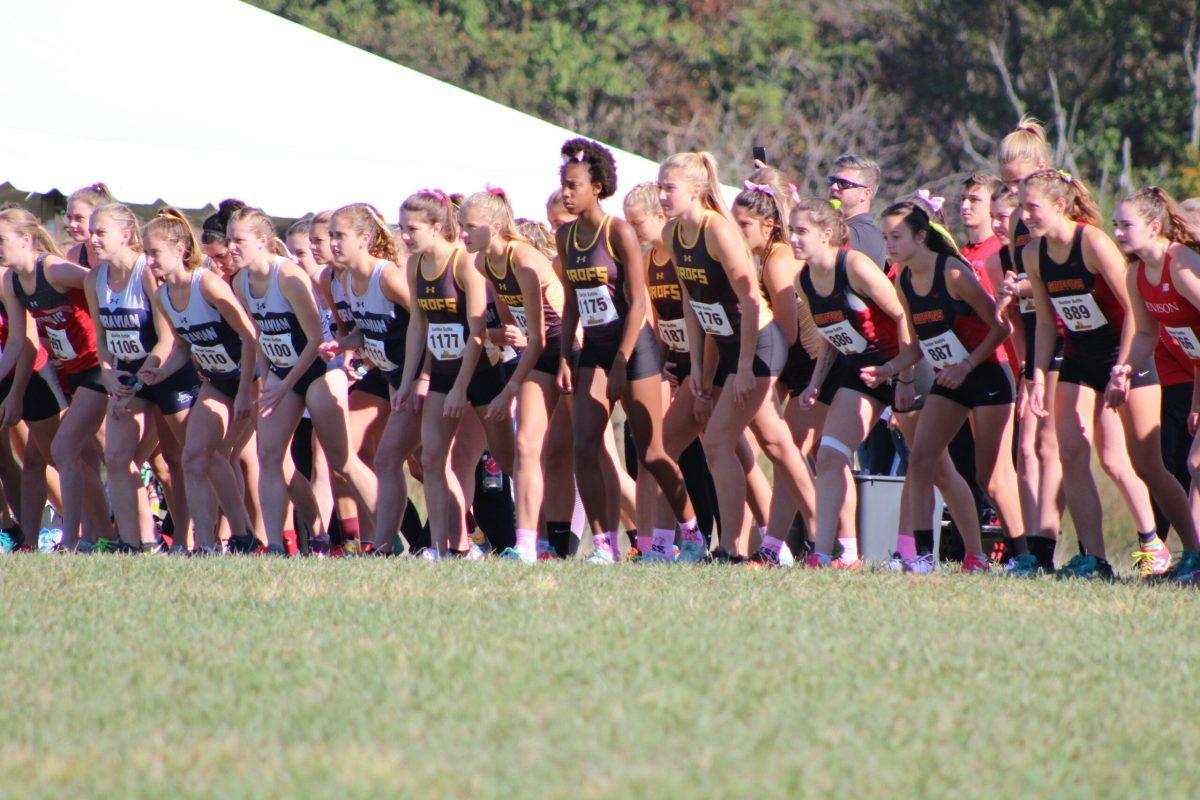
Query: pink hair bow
(496,190)
(579,156)
(794,192)
(439,194)
(756,187)
(934,203)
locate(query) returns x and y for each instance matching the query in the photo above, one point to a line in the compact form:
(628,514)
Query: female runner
(953,318)
(606,292)
(80,206)
(526,285)
(1022,152)
(279,297)
(371,287)
(761,213)
(725,304)
(142,371)
(1164,294)
(448,319)
(30,394)
(51,290)
(866,346)
(1077,275)
(208,321)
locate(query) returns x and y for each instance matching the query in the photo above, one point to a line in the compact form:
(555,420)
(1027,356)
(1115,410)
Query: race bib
(213,358)
(60,345)
(445,340)
(673,333)
(374,350)
(1187,341)
(518,315)
(596,306)
(279,350)
(844,338)
(1079,312)
(944,350)
(125,345)
(712,318)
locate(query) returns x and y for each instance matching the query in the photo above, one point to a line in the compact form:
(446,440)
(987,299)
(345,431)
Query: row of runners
(783,326)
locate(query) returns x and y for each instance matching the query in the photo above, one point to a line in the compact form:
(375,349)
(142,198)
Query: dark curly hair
(217,224)
(599,159)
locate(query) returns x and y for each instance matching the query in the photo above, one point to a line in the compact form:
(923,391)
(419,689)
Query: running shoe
(1186,568)
(847,566)
(975,563)
(153,548)
(10,540)
(352,547)
(1023,566)
(599,557)
(244,544)
(85,547)
(1086,567)
(48,538)
(1152,558)
(923,564)
(277,550)
(179,549)
(653,556)
(693,551)
(428,554)
(513,554)
(319,546)
(748,562)
(632,554)
(548,555)
(814,562)
(103,545)
(770,558)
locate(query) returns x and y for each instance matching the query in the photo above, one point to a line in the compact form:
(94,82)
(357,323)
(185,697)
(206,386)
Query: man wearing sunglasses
(853,184)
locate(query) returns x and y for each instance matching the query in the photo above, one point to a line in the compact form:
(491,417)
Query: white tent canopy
(190,101)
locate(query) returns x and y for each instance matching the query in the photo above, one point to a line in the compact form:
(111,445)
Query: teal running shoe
(1186,568)
(600,557)
(1023,566)
(1085,567)
(692,551)
(10,540)
(513,554)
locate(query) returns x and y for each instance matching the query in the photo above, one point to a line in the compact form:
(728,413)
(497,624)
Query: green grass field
(159,677)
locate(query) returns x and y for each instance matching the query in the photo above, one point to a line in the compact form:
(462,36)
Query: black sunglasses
(842,183)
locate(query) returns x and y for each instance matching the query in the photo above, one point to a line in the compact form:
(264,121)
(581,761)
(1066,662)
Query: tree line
(926,87)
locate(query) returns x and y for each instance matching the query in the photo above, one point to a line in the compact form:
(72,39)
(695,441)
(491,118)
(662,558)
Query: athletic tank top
(64,324)
(667,299)
(1090,313)
(444,302)
(382,322)
(711,296)
(808,338)
(126,317)
(280,335)
(1178,320)
(508,290)
(949,330)
(855,326)
(39,360)
(216,348)
(596,274)
(341,304)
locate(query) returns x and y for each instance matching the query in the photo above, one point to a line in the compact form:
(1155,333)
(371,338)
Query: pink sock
(690,531)
(527,541)
(850,548)
(603,542)
(772,544)
(663,542)
(644,543)
(906,546)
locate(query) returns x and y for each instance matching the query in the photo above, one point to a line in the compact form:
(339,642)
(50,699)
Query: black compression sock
(1147,538)
(924,540)
(558,534)
(1016,546)
(1042,548)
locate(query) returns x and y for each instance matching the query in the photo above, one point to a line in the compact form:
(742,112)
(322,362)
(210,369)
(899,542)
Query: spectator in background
(853,183)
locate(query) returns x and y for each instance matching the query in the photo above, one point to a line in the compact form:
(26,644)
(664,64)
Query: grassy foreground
(154,677)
